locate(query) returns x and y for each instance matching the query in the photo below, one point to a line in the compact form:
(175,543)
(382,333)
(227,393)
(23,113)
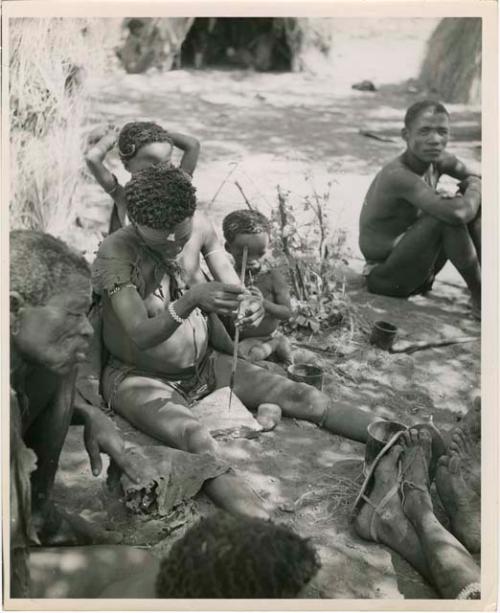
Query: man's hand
(100,435)
(216,297)
(470,181)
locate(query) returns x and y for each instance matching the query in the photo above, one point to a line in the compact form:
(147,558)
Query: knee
(378,284)
(311,402)
(258,352)
(196,438)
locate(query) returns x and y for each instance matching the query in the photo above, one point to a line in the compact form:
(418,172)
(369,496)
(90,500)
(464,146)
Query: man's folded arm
(458,210)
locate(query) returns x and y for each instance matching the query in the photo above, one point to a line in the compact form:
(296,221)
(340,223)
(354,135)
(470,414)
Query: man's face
(170,241)
(256,244)
(428,135)
(148,155)
(57,334)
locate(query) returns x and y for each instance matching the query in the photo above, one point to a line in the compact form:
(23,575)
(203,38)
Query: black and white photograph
(244,261)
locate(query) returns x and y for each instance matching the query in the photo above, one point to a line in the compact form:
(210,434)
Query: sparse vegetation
(315,257)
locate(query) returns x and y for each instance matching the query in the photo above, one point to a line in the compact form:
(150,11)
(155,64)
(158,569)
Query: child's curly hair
(136,134)
(224,556)
(160,196)
(40,265)
(244,222)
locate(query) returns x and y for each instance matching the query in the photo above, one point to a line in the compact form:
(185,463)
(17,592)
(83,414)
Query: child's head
(249,229)
(161,201)
(224,556)
(143,143)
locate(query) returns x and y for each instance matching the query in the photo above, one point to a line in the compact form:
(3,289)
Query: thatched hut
(452,65)
(261,43)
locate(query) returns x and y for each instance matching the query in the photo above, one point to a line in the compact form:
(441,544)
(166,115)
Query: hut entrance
(259,43)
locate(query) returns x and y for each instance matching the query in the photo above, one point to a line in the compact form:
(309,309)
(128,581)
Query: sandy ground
(272,129)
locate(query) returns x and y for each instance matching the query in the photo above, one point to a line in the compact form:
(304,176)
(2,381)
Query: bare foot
(232,494)
(415,460)
(388,524)
(458,482)
(471,421)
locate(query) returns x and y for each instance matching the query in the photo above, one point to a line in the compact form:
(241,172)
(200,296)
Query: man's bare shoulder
(396,174)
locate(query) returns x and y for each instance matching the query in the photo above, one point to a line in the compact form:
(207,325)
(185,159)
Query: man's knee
(378,283)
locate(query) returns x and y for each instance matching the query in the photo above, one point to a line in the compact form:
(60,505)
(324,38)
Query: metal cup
(379,434)
(383,334)
(306,373)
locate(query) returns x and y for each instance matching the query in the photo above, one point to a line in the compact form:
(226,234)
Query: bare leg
(460,249)
(254,386)
(475,233)
(283,350)
(458,481)
(414,260)
(451,566)
(256,348)
(155,409)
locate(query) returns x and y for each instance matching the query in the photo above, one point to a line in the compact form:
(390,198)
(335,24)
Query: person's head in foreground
(250,229)
(224,556)
(50,296)
(161,202)
(426,130)
(143,143)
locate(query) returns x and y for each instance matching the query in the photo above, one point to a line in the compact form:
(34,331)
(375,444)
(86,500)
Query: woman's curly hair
(244,222)
(160,196)
(224,556)
(40,265)
(137,134)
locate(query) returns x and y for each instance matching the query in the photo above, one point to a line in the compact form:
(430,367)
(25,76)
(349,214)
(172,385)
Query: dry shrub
(50,60)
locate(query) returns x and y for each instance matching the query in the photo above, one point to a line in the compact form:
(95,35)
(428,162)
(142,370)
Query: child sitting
(251,229)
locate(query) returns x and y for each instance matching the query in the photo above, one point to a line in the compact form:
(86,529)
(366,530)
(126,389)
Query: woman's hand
(216,297)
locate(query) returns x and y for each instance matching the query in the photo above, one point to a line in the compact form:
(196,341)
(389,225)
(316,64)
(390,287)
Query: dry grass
(50,60)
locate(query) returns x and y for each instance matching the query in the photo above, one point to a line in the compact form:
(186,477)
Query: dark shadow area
(258,43)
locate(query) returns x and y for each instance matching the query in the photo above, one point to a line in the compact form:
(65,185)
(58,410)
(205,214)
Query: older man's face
(57,334)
